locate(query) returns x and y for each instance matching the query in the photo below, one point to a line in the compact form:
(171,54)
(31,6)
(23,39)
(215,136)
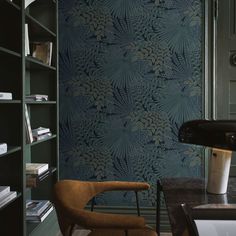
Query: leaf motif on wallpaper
(124,8)
(192,9)
(124,34)
(146,94)
(178,104)
(121,69)
(174,163)
(187,70)
(156,54)
(123,170)
(156,124)
(119,137)
(123,102)
(97,19)
(100,161)
(177,31)
(149,166)
(194,155)
(98,91)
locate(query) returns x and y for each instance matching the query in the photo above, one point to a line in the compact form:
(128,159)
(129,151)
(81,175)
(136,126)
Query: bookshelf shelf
(11,150)
(44,140)
(10,202)
(41,102)
(38,29)
(10,101)
(23,75)
(34,64)
(12,4)
(7,51)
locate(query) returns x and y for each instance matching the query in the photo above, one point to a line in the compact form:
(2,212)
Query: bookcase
(22,75)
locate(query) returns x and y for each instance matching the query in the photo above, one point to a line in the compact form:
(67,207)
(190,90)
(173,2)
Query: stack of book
(3,148)
(32,180)
(6,195)
(36,168)
(38,210)
(36,97)
(41,133)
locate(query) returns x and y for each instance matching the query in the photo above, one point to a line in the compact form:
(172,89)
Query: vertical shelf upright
(23,75)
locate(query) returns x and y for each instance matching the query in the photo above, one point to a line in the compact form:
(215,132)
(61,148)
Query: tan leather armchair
(71,197)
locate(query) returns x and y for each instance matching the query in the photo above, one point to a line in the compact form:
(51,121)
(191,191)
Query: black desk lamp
(221,136)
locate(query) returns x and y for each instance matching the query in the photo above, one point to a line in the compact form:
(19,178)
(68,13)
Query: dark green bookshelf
(22,75)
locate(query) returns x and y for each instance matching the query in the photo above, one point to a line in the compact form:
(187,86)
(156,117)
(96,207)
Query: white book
(3,148)
(7,198)
(42,216)
(42,136)
(28,2)
(27,47)
(36,168)
(36,207)
(41,97)
(40,130)
(5,96)
(28,126)
(4,190)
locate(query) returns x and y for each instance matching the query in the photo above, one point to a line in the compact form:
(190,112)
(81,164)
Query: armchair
(71,197)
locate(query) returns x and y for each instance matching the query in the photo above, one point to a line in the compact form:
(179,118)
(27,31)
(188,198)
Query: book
(42,51)
(36,207)
(40,130)
(27,47)
(42,216)
(29,134)
(3,148)
(42,136)
(7,198)
(33,179)
(36,168)
(5,96)
(4,190)
(37,97)
(28,2)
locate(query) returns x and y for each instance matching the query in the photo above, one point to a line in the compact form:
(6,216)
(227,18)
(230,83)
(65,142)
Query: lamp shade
(212,133)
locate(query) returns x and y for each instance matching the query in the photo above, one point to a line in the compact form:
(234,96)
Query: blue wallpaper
(130,75)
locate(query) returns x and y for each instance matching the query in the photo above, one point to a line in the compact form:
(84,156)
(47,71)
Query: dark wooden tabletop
(193,192)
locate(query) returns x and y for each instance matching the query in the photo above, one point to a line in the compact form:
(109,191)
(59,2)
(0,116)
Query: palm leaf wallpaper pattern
(130,75)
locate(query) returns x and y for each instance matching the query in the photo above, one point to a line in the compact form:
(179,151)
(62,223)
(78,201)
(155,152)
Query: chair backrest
(220,219)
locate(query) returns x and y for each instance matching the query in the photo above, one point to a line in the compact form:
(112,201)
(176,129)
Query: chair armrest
(121,186)
(92,220)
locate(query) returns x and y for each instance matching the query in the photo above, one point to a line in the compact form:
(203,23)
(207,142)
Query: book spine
(7,199)
(3,148)
(4,191)
(28,126)
(5,96)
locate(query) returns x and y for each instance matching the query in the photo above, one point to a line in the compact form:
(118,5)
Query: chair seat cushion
(115,232)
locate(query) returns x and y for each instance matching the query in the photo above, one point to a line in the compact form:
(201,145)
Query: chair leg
(92,204)
(158,207)
(126,232)
(137,202)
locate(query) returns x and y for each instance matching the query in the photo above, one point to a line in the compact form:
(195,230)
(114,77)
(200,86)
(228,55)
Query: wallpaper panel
(130,75)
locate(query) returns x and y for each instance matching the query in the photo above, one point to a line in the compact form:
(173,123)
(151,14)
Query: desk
(190,191)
